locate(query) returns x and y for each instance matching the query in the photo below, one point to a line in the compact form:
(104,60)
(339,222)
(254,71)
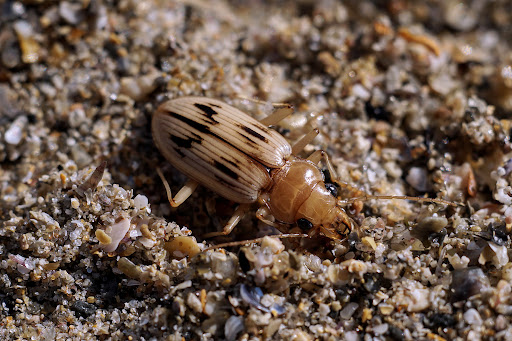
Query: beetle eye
(304,224)
(332,188)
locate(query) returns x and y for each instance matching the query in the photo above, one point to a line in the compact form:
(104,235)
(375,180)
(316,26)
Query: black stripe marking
(204,129)
(234,164)
(201,128)
(183,143)
(249,140)
(224,169)
(254,133)
(209,112)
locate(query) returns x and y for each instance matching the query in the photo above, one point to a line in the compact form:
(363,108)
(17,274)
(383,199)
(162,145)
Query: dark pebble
(84,309)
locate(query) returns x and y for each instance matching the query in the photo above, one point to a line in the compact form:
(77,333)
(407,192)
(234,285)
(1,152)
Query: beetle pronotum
(243,160)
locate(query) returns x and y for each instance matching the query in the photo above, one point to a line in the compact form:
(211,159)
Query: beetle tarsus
(233,221)
(182,195)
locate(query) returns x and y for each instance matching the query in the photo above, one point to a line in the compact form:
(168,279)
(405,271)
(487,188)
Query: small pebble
(14,134)
(84,309)
(140,201)
(418,178)
(351,336)
(30,49)
(380,329)
(182,246)
(71,12)
(348,310)
(194,303)
(472,317)
(467,282)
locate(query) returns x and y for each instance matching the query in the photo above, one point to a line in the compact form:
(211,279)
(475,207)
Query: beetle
(243,160)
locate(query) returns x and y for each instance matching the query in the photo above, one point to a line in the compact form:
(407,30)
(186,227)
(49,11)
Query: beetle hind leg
(232,222)
(281,110)
(182,195)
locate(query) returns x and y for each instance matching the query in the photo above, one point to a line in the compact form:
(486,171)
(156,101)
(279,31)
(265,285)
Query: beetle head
(334,224)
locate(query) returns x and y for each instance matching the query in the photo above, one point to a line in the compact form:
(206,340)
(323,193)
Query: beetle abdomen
(218,146)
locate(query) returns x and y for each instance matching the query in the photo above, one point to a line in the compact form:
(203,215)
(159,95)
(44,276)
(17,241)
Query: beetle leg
(233,221)
(182,195)
(281,110)
(316,156)
(262,212)
(277,115)
(304,141)
(319,155)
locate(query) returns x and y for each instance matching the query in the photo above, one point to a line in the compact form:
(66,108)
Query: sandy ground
(411,98)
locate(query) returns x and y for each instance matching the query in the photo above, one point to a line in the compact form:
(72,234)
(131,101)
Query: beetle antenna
(361,195)
(259,101)
(367,197)
(256,240)
(348,187)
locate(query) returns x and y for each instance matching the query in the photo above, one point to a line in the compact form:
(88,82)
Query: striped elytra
(222,148)
(219,146)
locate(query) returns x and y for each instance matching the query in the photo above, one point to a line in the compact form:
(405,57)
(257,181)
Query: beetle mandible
(241,159)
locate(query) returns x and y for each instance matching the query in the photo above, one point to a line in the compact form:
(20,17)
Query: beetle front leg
(322,155)
(262,212)
(319,155)
(182,195)
(232,222)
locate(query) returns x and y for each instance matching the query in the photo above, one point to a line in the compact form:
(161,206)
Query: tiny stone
(140,201)
(324,309)
(380,329)
(386,309)
(14,134)
(71,12)
(194,303)
(103,238)
(349,310)
(84,309)
(351,336)
(75,203)
(418,178)
(472,317)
